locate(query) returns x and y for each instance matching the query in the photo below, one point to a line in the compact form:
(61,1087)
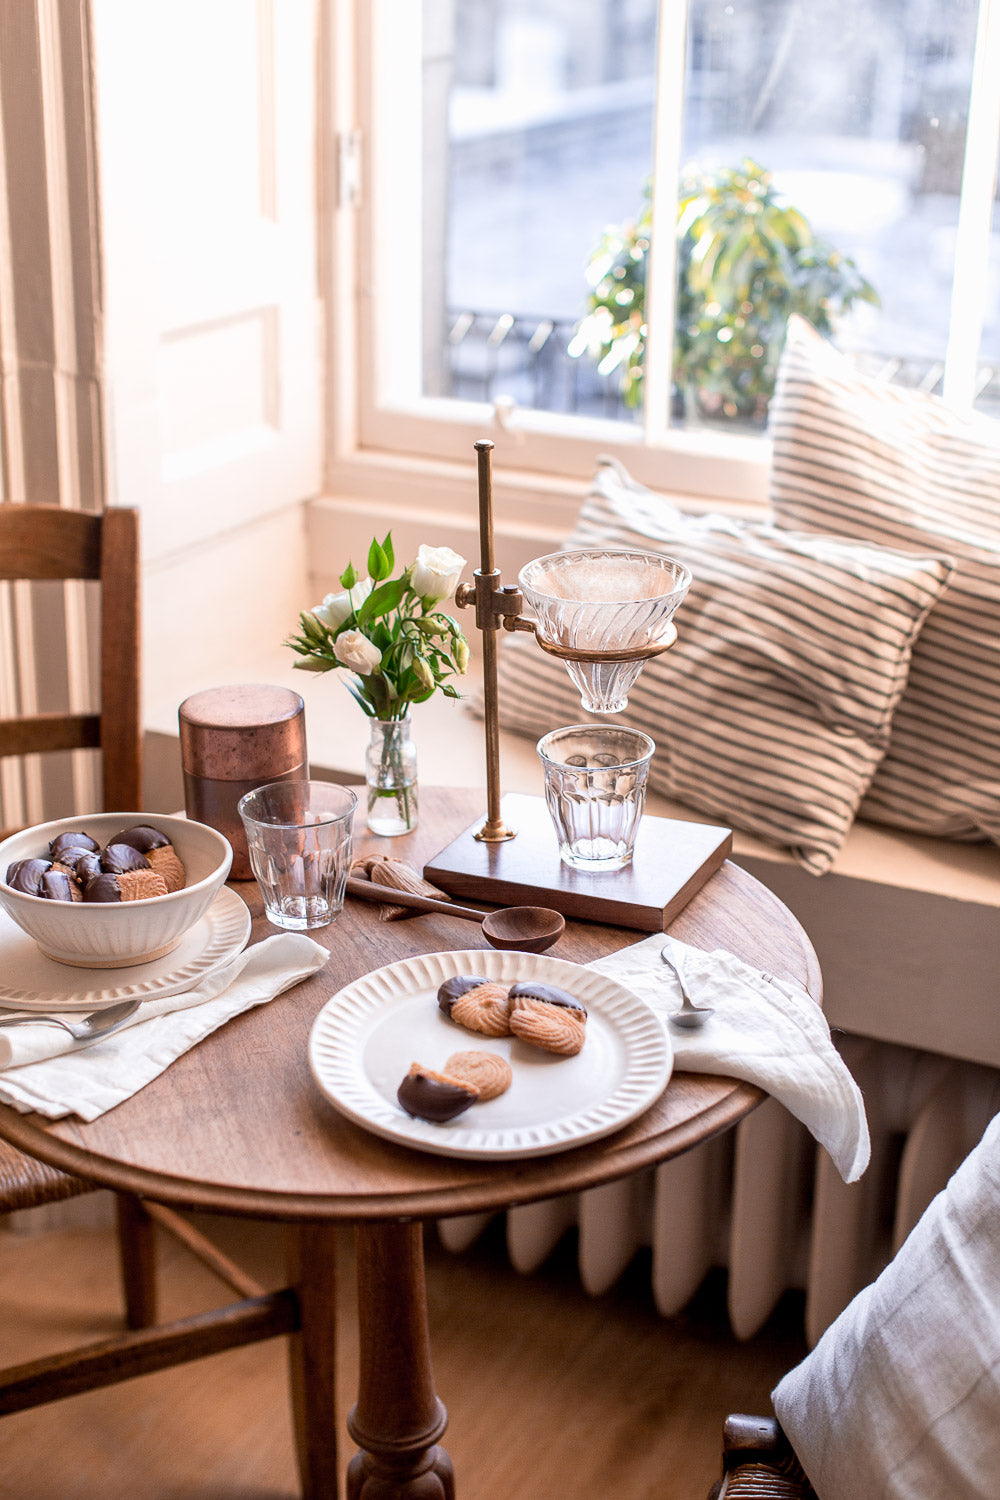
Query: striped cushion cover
(773,709)
(887,465)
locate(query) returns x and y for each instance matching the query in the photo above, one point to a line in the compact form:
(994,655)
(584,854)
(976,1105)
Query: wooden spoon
(519,929)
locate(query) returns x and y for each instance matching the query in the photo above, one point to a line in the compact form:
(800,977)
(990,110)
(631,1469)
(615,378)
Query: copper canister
(232,740)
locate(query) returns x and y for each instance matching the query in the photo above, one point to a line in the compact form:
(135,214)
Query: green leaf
(359,697)
(381,600)
(379,566)
(313,664)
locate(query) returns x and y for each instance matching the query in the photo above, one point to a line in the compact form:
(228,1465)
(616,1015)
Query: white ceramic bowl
(113,934)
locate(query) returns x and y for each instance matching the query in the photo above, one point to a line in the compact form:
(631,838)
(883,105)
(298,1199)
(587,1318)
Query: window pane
(859,111)
(538,121)
(542,113)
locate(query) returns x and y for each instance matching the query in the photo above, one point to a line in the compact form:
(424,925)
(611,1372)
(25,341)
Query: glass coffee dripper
(605,612)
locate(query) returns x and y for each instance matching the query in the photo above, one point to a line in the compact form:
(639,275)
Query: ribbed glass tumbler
(595,790)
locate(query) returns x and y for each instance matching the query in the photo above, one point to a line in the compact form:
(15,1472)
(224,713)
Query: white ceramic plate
(31,981)
(365,1038)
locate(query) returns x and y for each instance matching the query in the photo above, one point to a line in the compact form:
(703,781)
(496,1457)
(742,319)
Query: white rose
(436,572)
(356,651)
(336,607)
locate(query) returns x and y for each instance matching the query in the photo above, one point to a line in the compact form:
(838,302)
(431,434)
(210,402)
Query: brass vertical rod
(494,830)
(492,726)
(486,554)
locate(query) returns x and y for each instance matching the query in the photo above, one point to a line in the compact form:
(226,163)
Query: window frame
(380,432)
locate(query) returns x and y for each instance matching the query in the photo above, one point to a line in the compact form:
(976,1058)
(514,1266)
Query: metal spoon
(518,929)
(689,1015)
(98,1023)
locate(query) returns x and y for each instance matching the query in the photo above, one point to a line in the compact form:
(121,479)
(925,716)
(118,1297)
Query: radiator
(766,1203)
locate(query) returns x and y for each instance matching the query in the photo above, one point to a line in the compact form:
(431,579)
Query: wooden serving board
(672,861)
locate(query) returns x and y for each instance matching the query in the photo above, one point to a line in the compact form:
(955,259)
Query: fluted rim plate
(366,1036)
(30,980)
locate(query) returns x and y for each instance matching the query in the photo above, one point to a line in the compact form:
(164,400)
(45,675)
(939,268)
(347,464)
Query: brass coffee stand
(498,606)
(512,857)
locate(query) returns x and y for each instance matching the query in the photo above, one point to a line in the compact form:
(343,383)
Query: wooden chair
(758,1463)
(40,542)
(46,542)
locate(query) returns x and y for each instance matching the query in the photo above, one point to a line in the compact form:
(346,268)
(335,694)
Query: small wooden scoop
(520,929)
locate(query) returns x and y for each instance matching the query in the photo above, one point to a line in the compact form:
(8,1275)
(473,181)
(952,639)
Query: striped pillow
(887,465)
(772,710)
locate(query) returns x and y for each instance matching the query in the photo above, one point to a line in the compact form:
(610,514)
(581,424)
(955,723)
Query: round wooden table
(238,1125)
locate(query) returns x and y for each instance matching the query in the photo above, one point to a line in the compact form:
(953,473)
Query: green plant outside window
(747,260)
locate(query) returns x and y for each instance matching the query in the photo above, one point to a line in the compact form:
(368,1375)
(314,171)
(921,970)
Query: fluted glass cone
(608,601)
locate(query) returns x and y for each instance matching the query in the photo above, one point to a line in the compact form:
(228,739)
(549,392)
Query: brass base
(495,831)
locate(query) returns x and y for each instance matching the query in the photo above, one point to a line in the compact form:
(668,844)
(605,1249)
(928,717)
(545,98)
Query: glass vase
(391,775)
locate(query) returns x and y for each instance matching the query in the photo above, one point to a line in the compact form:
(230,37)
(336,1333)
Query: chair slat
(45,732)
(67,544)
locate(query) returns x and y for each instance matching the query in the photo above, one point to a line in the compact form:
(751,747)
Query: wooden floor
(550,1393)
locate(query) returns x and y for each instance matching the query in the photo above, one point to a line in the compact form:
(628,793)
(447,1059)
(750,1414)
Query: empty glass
(595,789)
(299,837)
(607,601)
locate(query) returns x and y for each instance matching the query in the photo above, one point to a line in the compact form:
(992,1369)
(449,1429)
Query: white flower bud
(436,572)
(356,651)
(336,607)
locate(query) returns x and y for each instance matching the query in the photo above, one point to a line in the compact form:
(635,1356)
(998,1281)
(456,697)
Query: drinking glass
(299,837)
(595,789)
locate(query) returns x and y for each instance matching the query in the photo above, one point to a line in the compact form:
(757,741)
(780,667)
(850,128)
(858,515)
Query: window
(517,133)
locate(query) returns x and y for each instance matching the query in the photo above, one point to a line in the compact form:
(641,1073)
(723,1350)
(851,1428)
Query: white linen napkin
(764,1030)
(46,1070)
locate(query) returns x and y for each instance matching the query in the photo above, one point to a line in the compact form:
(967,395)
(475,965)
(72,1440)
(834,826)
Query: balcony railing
(487,355)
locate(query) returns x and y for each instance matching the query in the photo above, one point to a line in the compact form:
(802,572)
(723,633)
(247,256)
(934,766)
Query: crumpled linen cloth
(763,1030)
(45,1070)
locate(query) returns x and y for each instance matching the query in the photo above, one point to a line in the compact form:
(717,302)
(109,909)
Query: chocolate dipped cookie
(477,1004)
(547,1017)
(436,1097)
(158,852)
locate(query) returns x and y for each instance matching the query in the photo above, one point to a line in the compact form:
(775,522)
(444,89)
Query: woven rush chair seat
(26,1183)
(758,1463)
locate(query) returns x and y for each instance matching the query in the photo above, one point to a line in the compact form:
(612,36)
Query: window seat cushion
(858,458)
(773,709)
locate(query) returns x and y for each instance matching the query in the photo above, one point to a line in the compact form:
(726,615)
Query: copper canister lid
(238,733)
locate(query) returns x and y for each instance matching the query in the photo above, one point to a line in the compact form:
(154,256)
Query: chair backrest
(40,542)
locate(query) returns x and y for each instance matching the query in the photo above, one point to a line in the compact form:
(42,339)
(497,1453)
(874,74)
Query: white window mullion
(975,214)
(661,285)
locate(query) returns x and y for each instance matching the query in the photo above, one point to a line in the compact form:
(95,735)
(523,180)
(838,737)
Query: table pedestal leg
(398,1417)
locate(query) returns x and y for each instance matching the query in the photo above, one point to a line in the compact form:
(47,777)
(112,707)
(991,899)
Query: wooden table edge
(596,1167)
